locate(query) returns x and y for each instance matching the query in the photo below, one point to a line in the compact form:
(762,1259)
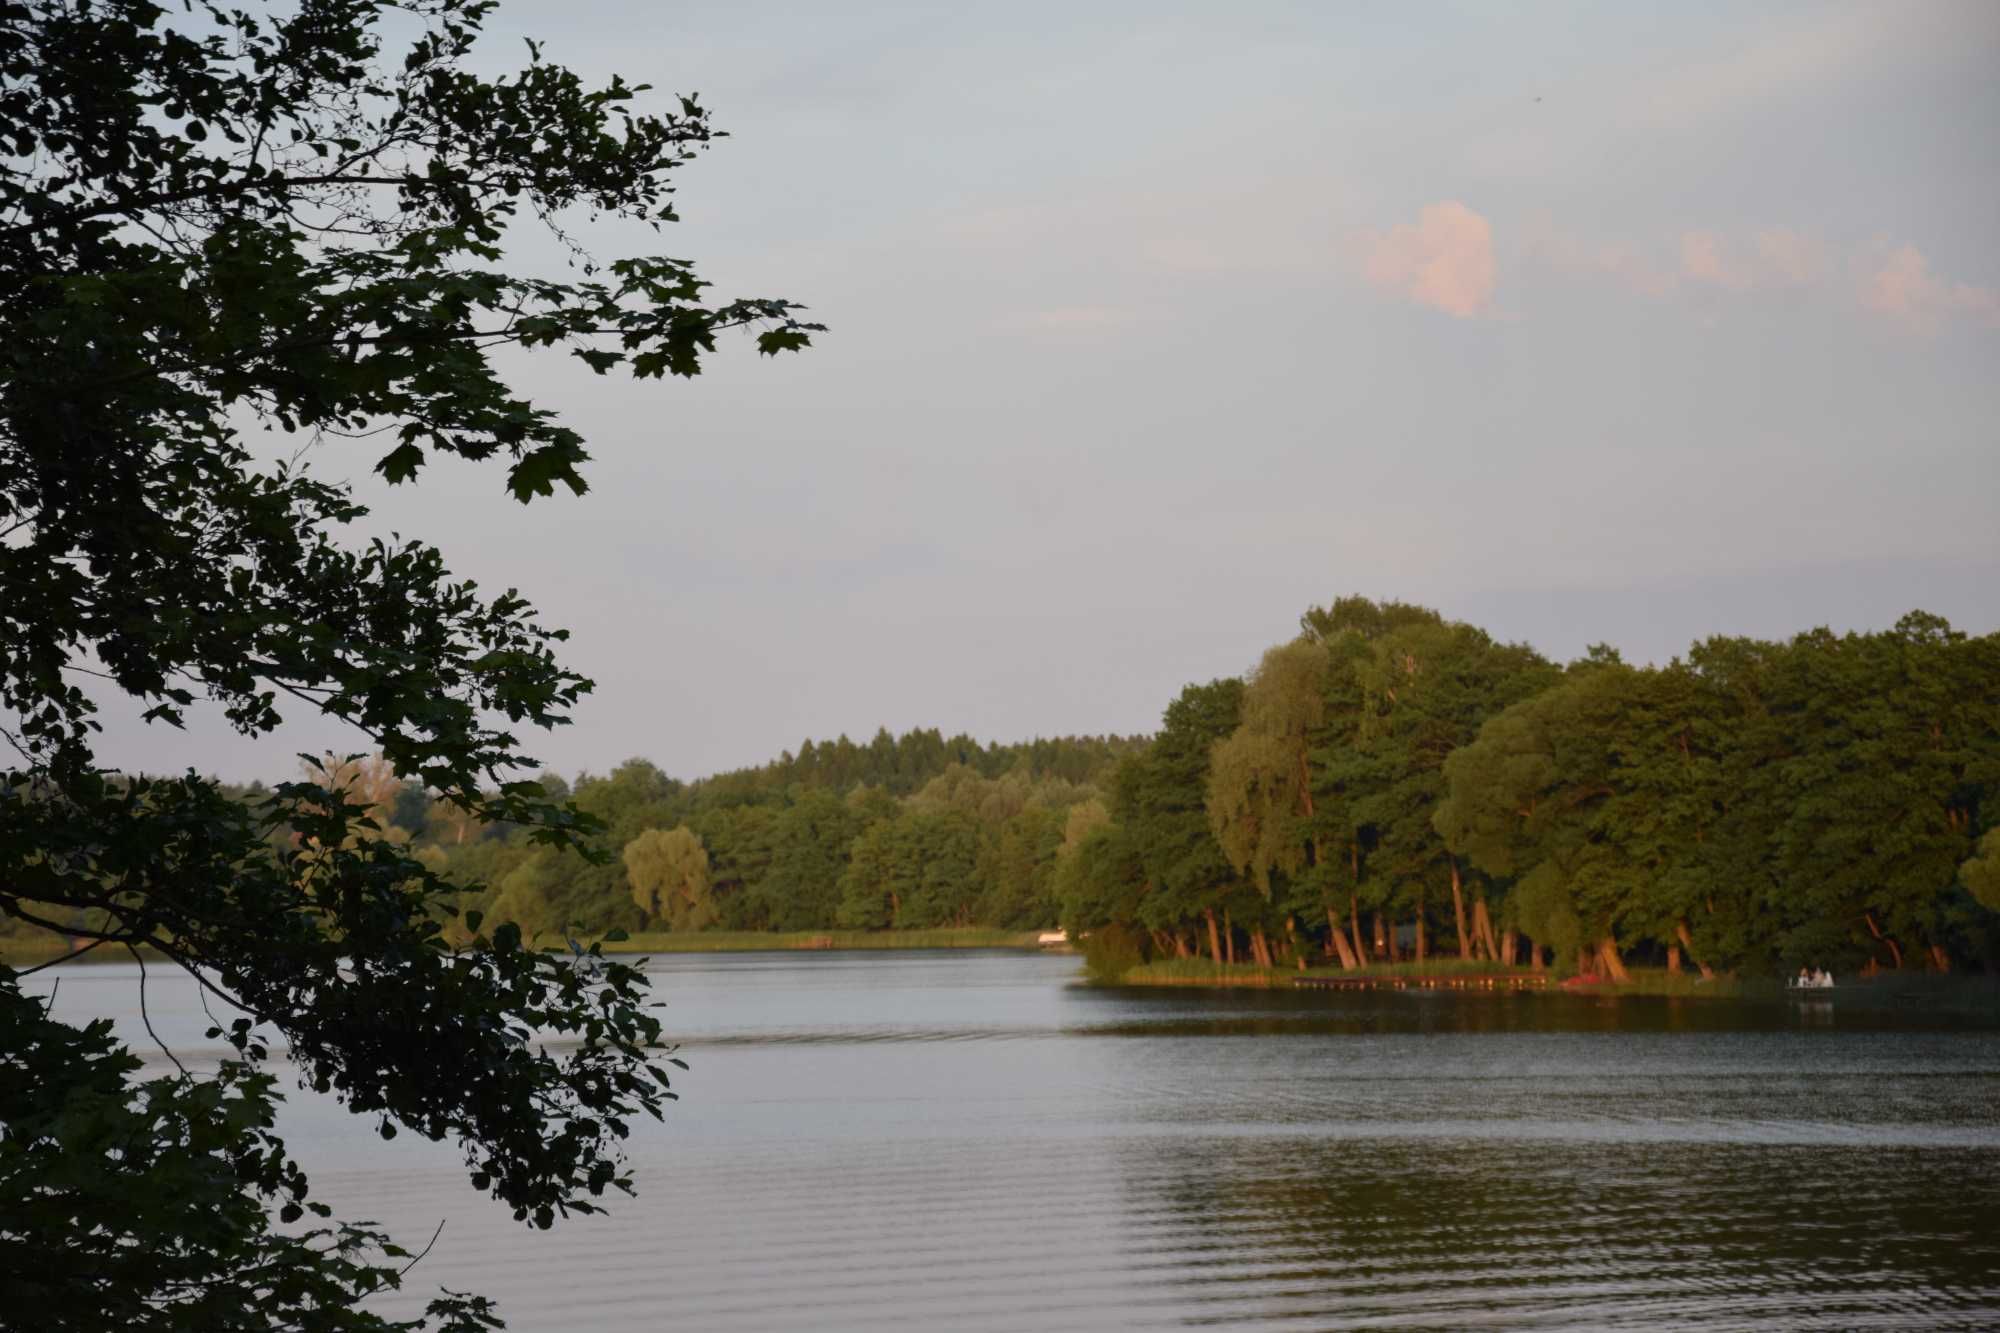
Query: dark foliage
(213,218)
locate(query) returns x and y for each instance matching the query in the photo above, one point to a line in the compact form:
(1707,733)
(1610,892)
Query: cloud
(1774,257)
(1902,289)
(1789,258)
(1619,264)
(1898,285)
(1443,260)
(1702,260)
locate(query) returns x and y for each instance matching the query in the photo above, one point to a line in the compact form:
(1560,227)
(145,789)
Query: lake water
(975,1141)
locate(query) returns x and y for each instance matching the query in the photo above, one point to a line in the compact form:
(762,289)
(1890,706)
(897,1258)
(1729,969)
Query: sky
(1151,325)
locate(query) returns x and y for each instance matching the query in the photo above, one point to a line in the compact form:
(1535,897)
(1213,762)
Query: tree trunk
(1458,909)
(1386,941)
(1420,933)
(1687,942)
(1674,959)
(1180,944)
(1214,938)
(1482,929)
(1504,955)
(1336,938)
(1534,956)
(1614,967)
(1260,948)
(1229,938)
(1354,920)
(1895,954)
(1940,958)
(1292,941)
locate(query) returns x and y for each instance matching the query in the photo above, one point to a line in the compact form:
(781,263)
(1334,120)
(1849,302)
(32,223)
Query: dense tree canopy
(217,225)
(1830,800)
(1389,786)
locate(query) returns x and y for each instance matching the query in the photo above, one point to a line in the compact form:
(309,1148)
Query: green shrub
(1109,952)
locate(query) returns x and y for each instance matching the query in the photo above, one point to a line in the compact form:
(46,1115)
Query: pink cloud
(1621,265)
(1703,260)
(1775,257)
(1904,290)
(1789,258)
(1444,260)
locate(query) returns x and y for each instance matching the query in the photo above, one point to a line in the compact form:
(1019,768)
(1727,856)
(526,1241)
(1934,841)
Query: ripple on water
(973,1143)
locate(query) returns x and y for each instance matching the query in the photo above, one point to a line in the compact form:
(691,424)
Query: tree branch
(71,956)
(147,1018)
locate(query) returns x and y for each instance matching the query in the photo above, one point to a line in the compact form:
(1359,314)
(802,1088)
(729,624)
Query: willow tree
(1260,782)
(668,872)
(216,226)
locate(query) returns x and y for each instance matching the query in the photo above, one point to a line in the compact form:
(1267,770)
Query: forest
(1387,786)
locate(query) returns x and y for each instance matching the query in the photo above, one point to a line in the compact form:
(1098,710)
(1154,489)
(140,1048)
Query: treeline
(1390,785)
(1387,786)
(911,831)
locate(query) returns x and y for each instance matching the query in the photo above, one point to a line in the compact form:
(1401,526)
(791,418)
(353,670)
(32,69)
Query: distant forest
(1386,786)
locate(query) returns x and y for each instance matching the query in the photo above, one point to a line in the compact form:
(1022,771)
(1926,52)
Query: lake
(973,1140)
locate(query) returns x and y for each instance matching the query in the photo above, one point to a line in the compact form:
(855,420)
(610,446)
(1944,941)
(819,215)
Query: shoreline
(1452,975)
(663,942)
(1971,995)
(825,941)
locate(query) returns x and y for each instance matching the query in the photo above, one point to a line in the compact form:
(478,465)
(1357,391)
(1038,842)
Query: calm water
(974,1141)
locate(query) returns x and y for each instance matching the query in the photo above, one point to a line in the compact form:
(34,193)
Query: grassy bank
(1201,972)
(745,941)
(23,951)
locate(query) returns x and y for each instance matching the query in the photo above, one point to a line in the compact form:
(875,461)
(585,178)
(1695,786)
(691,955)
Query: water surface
(972,1140)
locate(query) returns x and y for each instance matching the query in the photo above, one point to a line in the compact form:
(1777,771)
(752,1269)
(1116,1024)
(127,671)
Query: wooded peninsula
(1388,786)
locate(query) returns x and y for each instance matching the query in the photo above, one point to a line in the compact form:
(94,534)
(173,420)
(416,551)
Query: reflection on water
(973,1141)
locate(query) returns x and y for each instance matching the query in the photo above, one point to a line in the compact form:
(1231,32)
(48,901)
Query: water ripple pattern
(976,1142)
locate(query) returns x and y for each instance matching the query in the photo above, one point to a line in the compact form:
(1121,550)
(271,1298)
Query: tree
(1259,785)
(368,783)
(809,841)
(668,871)
(212,219)
(1160,809)
(1426,689)
(526,896)
(1259,792)
(878,880)
(1981,873)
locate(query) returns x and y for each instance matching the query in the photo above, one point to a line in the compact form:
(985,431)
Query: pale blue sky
(1153,324)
